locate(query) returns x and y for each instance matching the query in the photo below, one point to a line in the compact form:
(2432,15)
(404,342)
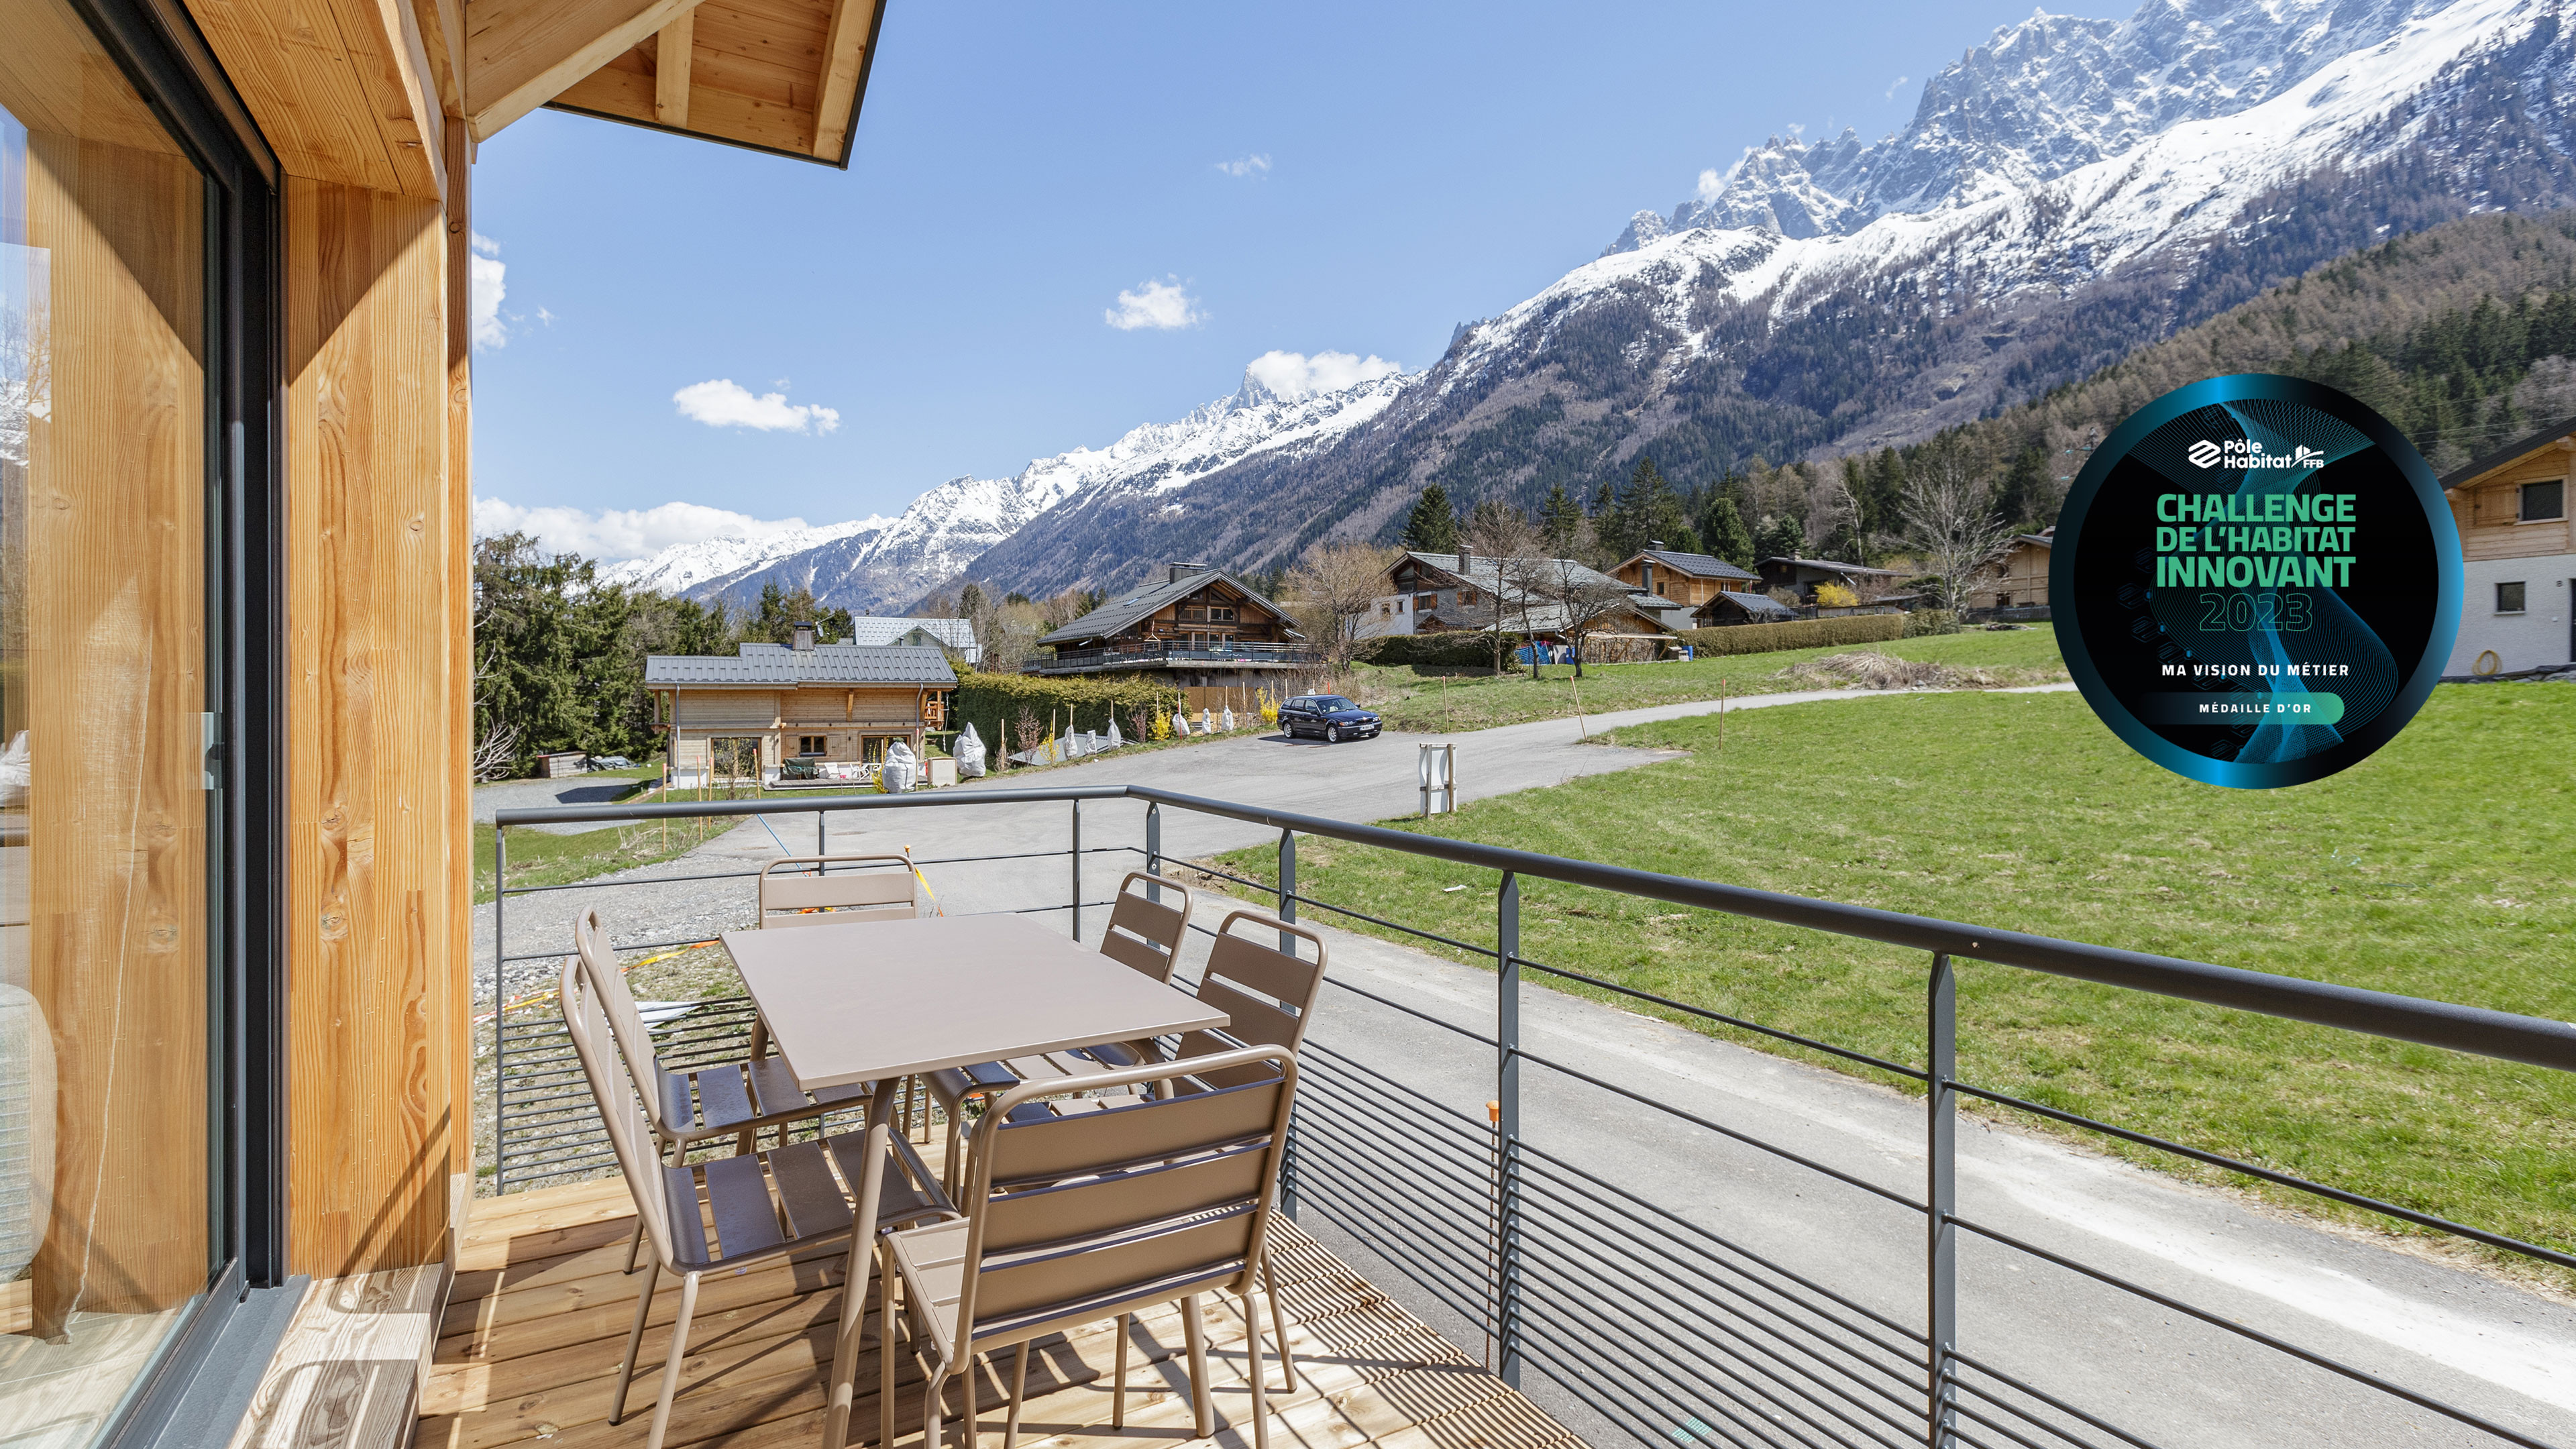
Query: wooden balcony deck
(528,1352)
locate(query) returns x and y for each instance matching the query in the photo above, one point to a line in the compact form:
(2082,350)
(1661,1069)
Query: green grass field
(538,858)
(1439,704)
(2439,867)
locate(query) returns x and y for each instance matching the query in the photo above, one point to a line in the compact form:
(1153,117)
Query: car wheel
(1332,734)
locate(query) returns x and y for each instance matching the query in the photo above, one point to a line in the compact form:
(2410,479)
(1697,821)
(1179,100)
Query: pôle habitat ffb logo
(2255,581)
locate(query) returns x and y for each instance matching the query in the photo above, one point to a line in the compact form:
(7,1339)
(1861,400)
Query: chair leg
(949,1165)
(1279,1323)
(635,1340)
(931,1427)
(1019,1391)
(1260,1389)
(671,1368)
(635,1244)
(971,1416)
(885,1345)
(1118,1384)
(1202,1417)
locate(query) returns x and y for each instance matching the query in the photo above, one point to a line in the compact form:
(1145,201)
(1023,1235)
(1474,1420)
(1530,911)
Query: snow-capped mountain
(1287,404)
(686,567)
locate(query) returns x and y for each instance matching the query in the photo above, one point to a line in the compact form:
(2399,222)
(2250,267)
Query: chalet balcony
(1519,1219)
(1157,655)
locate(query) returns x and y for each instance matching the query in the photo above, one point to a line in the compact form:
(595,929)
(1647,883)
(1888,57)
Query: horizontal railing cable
(2273,1175)
(1632,993)
(2279,1345)
(2021,1387)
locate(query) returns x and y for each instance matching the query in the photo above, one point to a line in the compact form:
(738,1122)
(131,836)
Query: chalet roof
(799,99)
(1754,604)
(776,666)
(1486,572)
(1697,565)
(1123,613)
(1832,566)
(876,631)
(2513,452)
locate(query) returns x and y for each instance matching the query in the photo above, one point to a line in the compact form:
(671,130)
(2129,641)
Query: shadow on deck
(529,1348)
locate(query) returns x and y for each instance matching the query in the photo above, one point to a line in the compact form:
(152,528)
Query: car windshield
(1333,701)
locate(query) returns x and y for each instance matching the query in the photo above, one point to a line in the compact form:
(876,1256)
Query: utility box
(943,772)
(1438,772)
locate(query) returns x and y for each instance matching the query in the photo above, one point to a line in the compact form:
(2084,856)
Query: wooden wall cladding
(108,691)
(375,957)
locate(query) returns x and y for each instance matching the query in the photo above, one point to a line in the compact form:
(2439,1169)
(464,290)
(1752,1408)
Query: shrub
(1931,621)
(1454,648)
(992,700)
(1799,634)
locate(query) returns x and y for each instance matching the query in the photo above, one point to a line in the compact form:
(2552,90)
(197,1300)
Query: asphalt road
(2456,1335)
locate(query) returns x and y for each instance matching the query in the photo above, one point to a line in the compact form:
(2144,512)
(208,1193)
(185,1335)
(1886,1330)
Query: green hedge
(990,701)
(1931,621)
(1799,634)
(1456,648)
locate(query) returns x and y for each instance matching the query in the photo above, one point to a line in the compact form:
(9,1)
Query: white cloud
(1160,305)
(1894,86)
(486,288)
(1294,375)
(623,533)
(1246,165)
(1710,184)
(724,403)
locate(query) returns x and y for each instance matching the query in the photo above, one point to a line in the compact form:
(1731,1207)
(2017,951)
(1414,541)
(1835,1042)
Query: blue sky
(1329,178)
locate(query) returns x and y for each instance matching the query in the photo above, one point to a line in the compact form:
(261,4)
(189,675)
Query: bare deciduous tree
(1583,597)
(1504,535)
(494,753)
(1947,522)
(1331,591)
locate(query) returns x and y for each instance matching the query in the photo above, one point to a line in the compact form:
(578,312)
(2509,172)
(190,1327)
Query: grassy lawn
(1441,704)
(538,858)
(2437,868)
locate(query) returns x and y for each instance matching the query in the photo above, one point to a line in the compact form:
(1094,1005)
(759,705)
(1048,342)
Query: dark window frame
(159,49)
(2557,505)
(2521,597)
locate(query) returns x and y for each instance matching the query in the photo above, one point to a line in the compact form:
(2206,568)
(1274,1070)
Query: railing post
(1507,1127)
(1153,848)
(500,1066)
(1941,1198)
(1077,870)
(822,835)
(1287,887)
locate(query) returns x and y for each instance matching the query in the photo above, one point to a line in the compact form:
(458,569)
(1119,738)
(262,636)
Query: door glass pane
(104,1190)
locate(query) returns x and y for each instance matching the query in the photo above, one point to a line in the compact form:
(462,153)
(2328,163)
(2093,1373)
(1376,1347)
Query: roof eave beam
(521,54)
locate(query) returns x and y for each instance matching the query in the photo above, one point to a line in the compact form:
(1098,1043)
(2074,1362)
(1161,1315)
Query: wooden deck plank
(530,1346)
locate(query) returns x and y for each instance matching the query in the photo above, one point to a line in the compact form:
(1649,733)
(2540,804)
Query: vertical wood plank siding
(374,517)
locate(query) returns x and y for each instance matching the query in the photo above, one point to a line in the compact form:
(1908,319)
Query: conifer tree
(1560,518)
(1432,527)
(1779,537)
(1725,534)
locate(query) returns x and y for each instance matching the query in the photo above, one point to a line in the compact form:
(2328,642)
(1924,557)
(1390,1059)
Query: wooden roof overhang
(379,93)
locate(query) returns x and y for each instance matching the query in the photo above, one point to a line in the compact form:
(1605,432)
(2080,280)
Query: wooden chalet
(1725,608)
(1801,576)
(2016,578)
(1200,627)
(2518,611)
(1690,579)
(1433,593)
(750,712)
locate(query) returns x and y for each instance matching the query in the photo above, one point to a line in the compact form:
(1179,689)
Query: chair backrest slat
(598,962)
(1145,935)
(1094,1205)
(1280,1002)
(817,894)
(1250,1019)
(638,1158)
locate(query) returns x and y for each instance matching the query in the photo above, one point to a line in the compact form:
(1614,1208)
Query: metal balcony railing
(1627,1303)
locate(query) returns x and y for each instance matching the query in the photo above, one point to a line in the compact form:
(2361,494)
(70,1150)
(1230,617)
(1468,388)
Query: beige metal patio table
(883,1000)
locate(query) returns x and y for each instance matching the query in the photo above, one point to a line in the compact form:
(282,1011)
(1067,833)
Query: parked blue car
(1327,717)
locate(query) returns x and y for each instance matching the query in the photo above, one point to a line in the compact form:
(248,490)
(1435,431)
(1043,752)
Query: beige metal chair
(1144,935)
(730,1212)
(815,894)
(1076,1219)
(697,1104)
(1268,996)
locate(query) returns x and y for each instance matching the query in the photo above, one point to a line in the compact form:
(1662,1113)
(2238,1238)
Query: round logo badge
(2255,581)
